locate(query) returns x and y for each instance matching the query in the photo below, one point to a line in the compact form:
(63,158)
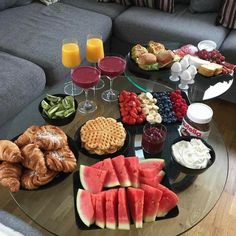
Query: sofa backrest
(4,4)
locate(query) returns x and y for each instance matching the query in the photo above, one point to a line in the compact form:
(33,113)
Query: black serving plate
(77,185)
(134,127)
(133,67)
(58,121)
(187,170)
(122,151)
(61,175)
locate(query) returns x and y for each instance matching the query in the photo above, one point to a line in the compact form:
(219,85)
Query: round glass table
(53,207)
(203,89)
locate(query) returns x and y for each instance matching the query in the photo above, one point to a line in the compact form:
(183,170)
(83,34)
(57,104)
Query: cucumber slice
(52,110)
(60,113)
(45,105)
(65,103)
(69,112)
(52,98)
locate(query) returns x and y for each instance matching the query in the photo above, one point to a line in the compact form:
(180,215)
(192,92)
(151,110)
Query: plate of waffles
(102,137)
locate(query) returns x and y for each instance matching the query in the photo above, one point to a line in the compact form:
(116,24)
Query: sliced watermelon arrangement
(117,208)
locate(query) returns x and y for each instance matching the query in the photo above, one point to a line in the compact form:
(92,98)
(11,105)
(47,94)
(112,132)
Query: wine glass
(111,66)
(86,77)
(94,52)
(71,59)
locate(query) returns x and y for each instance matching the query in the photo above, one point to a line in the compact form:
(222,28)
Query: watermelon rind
(123,211)
(85,205)
(96,178)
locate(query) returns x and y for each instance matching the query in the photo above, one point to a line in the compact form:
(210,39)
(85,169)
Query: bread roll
(165,57)
(147,59)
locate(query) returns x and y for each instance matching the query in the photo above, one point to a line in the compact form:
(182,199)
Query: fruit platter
(208,63)
(155,107)
(123,191)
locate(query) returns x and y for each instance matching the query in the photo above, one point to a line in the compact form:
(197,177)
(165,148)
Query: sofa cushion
(20,82)
(205,6)
(182,1)
(181,26)
(40,30)
(227,14)
(163,5)
(109,9)
(228,48)
(4,4)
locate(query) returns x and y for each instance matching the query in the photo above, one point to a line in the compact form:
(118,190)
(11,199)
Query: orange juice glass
(94,49)
(70,56)
(95,52)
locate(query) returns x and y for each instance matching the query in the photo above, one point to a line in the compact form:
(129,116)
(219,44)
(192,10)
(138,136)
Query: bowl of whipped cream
(192,155)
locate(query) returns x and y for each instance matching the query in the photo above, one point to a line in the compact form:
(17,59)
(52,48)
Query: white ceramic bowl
(209,45)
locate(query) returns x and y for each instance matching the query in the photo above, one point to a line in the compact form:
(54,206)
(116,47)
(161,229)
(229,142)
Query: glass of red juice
(111,66)
(86,77)
(153,138)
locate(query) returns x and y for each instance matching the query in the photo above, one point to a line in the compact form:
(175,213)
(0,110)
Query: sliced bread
(210,69)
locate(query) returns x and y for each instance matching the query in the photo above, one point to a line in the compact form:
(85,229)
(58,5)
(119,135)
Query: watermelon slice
(85,207)
(100,209)
(111,208)
(148,172)
(92,179)
(136,202)
(154,181)
(123,212)
(152,197)
(168,201)
(157,163)
(111,178)
(132,166)
(121,172)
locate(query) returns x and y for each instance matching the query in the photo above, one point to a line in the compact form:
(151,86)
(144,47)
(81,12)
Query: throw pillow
(204,6)
(48,2)
(227,14)
(163,5)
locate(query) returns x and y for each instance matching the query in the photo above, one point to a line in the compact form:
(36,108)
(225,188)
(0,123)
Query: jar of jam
(197,121)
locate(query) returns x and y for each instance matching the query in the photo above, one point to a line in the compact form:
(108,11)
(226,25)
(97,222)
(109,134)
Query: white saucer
(209,45)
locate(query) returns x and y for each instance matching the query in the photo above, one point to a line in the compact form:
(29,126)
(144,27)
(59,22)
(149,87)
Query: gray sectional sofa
(31,35)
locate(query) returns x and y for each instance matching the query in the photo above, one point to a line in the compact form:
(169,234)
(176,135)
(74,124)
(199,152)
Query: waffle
(102,135)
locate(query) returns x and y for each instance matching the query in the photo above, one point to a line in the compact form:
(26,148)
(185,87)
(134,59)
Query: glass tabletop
(203,89)
(53,208)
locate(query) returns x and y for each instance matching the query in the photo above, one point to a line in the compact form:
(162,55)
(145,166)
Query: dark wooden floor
(222,219)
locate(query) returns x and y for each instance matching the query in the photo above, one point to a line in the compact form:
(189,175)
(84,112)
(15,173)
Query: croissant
(62,159)
(33,180)
(9,151)
(27,137)
(10,174)
(49,137)
(33,158)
